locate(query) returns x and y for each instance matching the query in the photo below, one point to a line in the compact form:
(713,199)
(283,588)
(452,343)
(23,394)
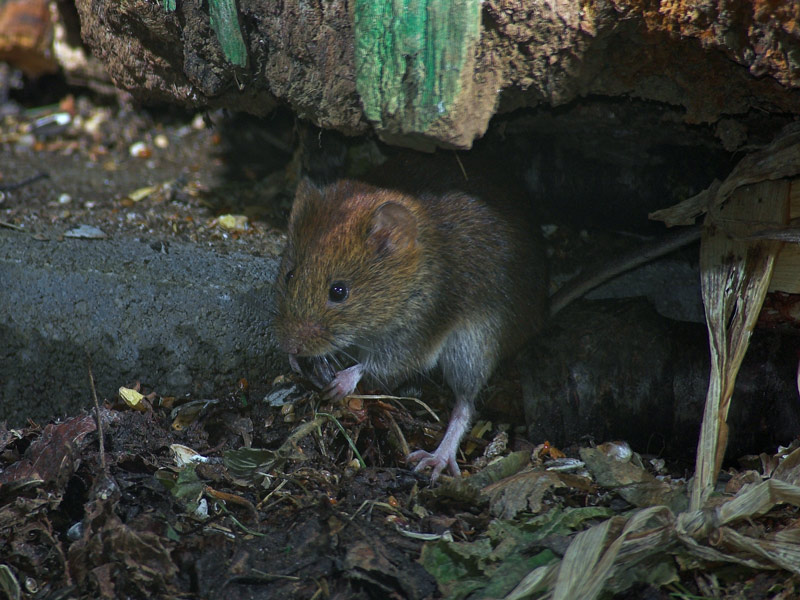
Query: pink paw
(438,461)
(343,384)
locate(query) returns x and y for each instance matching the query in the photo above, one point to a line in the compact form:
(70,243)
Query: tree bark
(331,64)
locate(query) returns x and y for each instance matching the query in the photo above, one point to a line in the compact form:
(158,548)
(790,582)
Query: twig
(346,437)
(272,493)
(11,226)
(427,408)
(237,522)
(401,439)
(97,414)
(226,497)
(460,164)
(7,187)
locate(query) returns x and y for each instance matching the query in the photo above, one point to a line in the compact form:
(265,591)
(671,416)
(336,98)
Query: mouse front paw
(438,461)
(343,384)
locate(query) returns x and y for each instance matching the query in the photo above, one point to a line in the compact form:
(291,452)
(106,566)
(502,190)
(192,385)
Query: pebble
(139,150)
(161,141)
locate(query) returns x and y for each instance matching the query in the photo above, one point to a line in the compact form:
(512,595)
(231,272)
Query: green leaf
(510,550)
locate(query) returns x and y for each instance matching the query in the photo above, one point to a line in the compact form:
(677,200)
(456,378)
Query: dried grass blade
(595,554)
(779,160)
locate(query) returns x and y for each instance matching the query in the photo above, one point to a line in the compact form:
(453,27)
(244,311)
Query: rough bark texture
(301,55)
(712,58)
(708,57)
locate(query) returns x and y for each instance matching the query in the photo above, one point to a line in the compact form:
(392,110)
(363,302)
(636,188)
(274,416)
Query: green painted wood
(225,23)
(169,5)
(410,57)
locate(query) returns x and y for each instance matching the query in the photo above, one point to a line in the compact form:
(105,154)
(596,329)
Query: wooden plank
(225,23)
(26,36)
(412,60)
(786,276)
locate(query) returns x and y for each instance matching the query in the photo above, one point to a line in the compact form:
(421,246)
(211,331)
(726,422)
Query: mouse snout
(302,340)
(291,347)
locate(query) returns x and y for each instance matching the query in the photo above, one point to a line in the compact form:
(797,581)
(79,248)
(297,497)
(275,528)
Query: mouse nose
(302,339)
(291,346)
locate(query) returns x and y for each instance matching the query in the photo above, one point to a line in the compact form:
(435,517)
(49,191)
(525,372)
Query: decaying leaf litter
(301,499)
(190,510)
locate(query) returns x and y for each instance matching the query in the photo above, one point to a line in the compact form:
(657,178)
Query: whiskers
(384,364)
(342,349)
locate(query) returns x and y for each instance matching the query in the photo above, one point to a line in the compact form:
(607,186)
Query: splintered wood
(786,276)
(26,34)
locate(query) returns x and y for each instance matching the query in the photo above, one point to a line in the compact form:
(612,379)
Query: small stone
(233,222)
(198,122)
(140,150)
(86,232)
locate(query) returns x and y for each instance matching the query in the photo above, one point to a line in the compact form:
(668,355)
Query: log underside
(712,60)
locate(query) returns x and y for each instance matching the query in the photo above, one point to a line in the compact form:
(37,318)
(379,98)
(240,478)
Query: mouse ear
(307,186)
(307,190)
(394,227)
(306,195)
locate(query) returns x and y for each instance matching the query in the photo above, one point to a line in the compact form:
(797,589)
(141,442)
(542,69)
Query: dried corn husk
(735,273)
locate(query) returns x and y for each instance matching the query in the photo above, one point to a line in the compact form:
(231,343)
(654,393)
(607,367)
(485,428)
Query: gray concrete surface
(181,320)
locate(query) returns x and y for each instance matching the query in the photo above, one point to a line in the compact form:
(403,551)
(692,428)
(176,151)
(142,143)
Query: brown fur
(473,260)
(440,270)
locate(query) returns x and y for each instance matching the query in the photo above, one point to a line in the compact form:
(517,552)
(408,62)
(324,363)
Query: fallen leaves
(53,456)
(115,558)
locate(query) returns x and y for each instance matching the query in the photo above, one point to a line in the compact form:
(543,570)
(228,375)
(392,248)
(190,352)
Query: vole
(416,267)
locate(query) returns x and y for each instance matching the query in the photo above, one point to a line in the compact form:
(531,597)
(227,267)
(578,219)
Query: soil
(133,173)
(285,498)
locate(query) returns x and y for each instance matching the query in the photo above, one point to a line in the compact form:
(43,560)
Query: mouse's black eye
(289,275)
(338,292)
